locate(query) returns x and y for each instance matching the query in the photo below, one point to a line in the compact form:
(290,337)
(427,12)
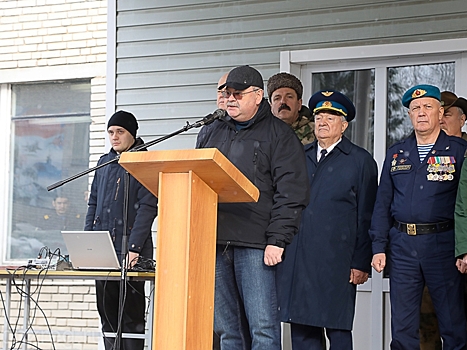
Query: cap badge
(327,93)
(327,104)
(418,93)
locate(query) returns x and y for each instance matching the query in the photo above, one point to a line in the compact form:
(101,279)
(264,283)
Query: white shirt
(329,149)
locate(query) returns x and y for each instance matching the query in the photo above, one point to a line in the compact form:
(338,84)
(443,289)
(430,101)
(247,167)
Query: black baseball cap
(242,78)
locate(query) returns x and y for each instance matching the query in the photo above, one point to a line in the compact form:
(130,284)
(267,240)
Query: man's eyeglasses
(238,95)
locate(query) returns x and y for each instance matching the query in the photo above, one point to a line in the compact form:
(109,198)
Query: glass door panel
(359,86)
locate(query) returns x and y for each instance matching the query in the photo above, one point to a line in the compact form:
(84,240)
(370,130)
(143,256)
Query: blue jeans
(245,312)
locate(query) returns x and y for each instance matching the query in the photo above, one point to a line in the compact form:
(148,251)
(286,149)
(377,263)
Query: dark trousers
(416,261)
(133,321)
(311,338)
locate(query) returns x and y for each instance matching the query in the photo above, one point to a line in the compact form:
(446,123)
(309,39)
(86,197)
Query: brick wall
(37,33)
(67,308)
(44,40)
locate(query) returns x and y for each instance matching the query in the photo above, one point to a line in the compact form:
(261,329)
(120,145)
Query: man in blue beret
(331,255)
(413,221)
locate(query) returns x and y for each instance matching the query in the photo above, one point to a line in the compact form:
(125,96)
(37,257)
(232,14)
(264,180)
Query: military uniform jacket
(313,280)
(105,207)
(269,154)
(414,192)
(460,215)
(304,126)
(69,221)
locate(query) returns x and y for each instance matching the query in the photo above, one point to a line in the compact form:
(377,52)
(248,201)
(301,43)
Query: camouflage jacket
(304,126)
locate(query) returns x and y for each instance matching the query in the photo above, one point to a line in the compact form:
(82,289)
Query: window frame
(303,63)
(7,159)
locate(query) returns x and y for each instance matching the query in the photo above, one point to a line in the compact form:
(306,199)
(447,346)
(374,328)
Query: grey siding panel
(183,78)
(171,53)
(179,111)
(197,61)
(262,24)
(315,36)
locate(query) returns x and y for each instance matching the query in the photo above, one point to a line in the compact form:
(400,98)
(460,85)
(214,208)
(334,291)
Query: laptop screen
(91,250)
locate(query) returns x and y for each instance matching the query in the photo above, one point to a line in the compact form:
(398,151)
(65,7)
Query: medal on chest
(441,168)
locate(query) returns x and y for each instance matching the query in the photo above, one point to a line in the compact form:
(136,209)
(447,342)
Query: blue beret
(420,91)
(332,100)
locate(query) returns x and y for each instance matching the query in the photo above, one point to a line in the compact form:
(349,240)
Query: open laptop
(91,250)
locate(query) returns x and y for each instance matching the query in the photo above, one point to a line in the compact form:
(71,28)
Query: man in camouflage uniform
(285,96)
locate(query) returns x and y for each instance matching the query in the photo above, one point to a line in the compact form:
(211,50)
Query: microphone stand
(187,127)
(123,275)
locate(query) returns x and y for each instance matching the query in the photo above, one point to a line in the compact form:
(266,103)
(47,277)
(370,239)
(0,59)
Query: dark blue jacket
(105,211)
(270,155)
(313,279)
(406,193)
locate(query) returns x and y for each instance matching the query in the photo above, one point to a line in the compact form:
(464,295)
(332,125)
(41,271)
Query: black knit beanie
(284,80)
(125,120)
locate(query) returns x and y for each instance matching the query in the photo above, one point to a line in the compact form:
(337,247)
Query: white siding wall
(170,54)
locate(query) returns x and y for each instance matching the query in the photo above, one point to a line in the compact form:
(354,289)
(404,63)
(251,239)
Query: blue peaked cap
(332,100)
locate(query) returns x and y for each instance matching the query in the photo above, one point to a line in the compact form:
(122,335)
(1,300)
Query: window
(49,142)
(358,86)
(400,79)
(390,70)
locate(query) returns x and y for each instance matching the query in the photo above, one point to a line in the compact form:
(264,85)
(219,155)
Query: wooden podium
(189,185)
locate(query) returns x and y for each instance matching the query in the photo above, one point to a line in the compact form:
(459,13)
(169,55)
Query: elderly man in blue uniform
(413,218)
(251,237)
(332,252)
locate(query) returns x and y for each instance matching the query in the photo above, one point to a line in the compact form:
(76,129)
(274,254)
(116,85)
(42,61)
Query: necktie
(323,154)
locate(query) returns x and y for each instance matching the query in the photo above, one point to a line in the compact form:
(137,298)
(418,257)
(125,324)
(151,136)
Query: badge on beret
(418,93)
(327,93)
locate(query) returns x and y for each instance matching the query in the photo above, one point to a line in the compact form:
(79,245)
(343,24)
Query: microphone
(218,113)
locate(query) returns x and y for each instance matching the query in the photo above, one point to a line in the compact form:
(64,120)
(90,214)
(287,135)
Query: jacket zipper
(118,186)
(255,162)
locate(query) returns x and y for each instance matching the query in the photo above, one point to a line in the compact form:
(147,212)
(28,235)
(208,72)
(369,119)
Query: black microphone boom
(218,113)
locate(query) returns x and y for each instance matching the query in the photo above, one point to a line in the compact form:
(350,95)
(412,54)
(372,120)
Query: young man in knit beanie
(285,96)
(105,213)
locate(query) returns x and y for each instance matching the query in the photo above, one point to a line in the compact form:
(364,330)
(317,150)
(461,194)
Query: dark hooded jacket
(270,155)
(105,206)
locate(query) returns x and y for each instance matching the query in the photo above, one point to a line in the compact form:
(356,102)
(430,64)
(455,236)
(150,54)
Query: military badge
(418,93)
(327,93)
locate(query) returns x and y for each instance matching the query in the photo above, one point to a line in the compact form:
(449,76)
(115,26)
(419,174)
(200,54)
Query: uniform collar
(442,143)
(345,146)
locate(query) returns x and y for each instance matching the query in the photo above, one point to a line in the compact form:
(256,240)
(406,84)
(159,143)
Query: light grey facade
(169,55)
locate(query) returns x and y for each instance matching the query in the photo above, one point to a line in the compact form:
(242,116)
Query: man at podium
(251,237)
